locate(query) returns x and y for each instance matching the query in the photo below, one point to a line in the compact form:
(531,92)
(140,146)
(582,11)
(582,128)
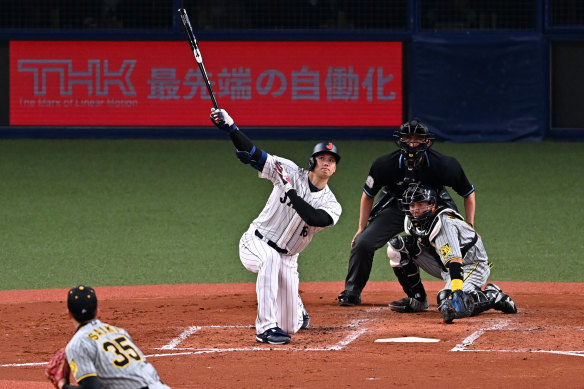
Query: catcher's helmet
(417,193)
(412,154)
(82,303)
(320,148)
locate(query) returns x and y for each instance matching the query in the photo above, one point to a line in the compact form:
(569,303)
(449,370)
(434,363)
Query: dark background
(497,70)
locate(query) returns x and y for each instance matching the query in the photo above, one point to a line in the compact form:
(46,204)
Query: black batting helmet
(320,148)
(413,127)
(82,303)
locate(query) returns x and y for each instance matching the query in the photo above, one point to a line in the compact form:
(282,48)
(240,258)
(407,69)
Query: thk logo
(98,78)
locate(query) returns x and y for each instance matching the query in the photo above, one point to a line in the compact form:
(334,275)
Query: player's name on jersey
(103,330)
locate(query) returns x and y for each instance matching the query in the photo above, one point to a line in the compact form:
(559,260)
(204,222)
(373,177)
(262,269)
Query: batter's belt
(270,243)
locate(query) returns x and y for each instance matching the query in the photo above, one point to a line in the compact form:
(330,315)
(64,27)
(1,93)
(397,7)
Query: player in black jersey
(389,176)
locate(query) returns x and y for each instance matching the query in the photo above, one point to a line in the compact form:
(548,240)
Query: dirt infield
(202,336)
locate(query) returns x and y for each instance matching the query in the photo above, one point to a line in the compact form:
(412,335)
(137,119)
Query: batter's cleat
(348,299)
(501,301)
(409,305)
(305,319)
(274,335)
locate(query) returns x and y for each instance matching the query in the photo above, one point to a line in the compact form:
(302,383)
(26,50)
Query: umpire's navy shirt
(436,170)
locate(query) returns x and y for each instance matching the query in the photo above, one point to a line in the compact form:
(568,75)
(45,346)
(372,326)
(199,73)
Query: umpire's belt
(270,243)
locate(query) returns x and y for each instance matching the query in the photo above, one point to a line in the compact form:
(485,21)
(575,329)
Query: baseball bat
(195,47)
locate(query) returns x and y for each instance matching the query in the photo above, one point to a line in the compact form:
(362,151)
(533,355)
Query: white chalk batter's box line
(172,345)
(464,346)
(502,325)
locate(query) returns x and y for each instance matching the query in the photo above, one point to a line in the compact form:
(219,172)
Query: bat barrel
(193,42)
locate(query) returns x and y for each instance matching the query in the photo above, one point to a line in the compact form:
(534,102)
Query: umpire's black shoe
(348,298)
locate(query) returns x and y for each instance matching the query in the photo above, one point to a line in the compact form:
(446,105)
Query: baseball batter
(442,243)
(101,355)
(300,205)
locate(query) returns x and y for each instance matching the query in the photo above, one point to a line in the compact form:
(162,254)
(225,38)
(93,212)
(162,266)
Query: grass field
(122,212)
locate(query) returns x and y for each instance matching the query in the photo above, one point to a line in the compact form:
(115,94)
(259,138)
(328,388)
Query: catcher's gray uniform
(447,247)
(450,235)
(451,238)
(108,353)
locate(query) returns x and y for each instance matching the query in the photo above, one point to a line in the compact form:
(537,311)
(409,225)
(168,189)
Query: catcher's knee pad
(394,247)
(398,252)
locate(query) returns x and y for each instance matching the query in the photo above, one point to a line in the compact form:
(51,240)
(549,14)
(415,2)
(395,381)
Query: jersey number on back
(124,350)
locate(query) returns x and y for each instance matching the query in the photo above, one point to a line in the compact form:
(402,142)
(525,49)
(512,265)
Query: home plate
(407,339)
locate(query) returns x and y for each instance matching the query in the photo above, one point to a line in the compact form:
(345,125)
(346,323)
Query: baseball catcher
(442,243)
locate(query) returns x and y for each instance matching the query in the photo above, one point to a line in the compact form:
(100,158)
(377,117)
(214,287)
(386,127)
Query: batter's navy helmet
(82,303)
(320,148)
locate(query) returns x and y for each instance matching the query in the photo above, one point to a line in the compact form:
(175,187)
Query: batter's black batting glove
(283,176)
(222,120)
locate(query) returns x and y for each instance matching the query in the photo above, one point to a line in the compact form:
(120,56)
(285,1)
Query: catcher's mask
(321,148)
(82,303)
(413,154)
(417,193)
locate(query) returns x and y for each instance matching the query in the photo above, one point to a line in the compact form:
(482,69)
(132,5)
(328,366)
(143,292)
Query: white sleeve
(269,172)
(334,209)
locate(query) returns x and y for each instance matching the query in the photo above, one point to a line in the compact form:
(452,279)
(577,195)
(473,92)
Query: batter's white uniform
(284,235)
(108,353)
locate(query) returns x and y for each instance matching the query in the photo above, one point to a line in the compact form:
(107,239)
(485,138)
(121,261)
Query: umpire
(390,174)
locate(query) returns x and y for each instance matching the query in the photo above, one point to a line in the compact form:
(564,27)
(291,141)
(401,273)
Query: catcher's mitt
(458,305)
(58,368)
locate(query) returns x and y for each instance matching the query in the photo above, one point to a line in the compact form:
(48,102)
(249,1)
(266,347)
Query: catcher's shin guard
(409,278)
(481,302)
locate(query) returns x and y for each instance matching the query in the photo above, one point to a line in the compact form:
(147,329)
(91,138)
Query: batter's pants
(279,304)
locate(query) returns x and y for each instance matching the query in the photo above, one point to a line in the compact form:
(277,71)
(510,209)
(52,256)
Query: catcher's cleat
(274,335)
(409,305)
(348,299)
(305,319)
(501,301)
